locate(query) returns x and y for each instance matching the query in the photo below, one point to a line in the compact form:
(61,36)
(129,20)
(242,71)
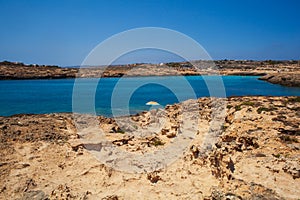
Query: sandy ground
(251,151)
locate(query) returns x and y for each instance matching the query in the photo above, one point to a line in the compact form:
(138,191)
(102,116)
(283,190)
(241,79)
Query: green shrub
(120,131)
(157,142)
(276,155)
(237,107)
(229,106)
(288,139)
(260,109)
(248,103)
(294,100)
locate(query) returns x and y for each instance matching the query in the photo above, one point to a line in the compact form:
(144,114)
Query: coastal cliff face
(280,72)
(255,154)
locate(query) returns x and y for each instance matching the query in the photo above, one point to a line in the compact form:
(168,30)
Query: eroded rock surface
(286,79)
(252,151)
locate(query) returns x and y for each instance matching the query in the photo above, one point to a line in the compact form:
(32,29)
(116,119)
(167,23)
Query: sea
(123,96)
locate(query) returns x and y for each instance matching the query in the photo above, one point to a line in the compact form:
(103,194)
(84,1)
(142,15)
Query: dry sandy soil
(250,151)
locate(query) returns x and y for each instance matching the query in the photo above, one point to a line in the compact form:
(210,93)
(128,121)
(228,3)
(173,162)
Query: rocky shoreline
(256,154)
(285,73)
(285,79)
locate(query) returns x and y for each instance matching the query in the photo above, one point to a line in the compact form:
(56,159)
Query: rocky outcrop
(285,79)
(254,153)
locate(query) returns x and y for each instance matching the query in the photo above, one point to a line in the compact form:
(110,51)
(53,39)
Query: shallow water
(129,95)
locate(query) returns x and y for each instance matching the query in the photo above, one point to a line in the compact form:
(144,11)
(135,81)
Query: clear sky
(63,32)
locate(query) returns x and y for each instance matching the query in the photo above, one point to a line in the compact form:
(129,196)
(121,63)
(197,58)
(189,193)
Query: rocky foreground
(286,73)
(254,154)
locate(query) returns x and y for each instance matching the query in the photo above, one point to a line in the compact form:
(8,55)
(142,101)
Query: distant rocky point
(286,79)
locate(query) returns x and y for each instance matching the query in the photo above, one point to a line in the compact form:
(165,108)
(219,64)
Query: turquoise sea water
(47,96)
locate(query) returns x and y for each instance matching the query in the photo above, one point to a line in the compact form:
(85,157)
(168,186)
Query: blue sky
(63,32)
